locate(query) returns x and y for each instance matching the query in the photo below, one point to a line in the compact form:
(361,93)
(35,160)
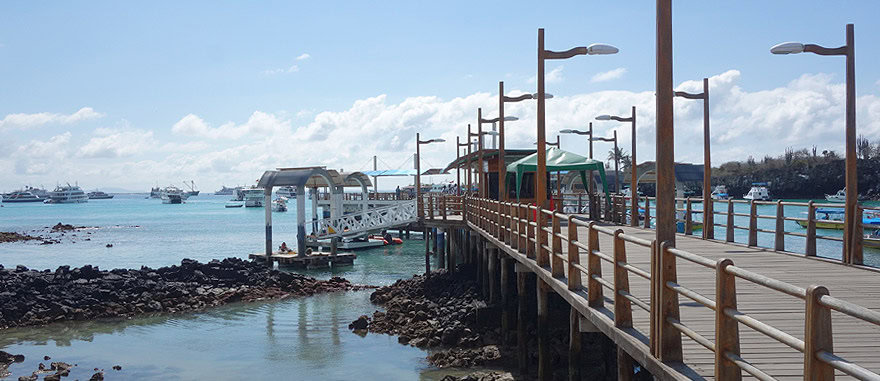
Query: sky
(128,95)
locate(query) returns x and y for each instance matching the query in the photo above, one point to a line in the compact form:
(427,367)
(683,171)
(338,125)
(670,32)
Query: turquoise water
(300,338)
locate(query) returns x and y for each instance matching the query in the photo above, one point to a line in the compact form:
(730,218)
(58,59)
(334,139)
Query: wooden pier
(704,309)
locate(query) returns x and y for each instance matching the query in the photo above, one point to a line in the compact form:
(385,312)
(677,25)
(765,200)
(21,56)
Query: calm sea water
(302,338)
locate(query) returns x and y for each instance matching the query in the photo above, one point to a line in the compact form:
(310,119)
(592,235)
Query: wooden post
(574,345)
(543,258)
(622,305)
(688,218)
(753,223)
(523,214)
(779,236)
(493,275)
(669,345)
(522,315)
(594,269)
(810,245)
(729,229)
(443,207)
(647,213)
(505,298)
(545,372)
(427,253)
(817,336)
(557,264)
(574,258)
(726,329)
(857,257)
(708,218)
(430,205)
(653,331)
(334,245)
(530,252)
(484,263)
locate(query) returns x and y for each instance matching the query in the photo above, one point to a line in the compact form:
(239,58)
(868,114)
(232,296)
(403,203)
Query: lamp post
(419,143)
(852,252)
(589,185)
(633,186)
(541,172)
(502,195)
(708,208)
(458,145)
(613,139)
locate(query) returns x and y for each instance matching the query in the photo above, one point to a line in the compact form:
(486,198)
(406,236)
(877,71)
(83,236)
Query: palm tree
(621,156)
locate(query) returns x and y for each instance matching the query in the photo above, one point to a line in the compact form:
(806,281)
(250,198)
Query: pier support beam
(544,361)
(505,299)
(493,275)
(574,345)
(484,264)
(427,253)
(522,337)
(268,205)
(301,218)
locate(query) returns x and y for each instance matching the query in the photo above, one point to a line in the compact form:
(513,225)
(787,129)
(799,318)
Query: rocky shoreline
(32,297)
(50,234)
(53,372)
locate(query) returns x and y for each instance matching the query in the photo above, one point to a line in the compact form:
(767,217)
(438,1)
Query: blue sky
(145,67)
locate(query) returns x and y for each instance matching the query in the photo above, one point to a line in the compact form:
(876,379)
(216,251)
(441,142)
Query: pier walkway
(703,309)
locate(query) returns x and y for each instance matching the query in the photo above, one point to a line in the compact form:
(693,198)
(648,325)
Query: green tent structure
(558,161)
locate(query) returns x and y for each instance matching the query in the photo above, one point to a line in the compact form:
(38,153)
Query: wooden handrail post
(574,257)
(730,229)
(753,223)
(779,236)
(689,218)
(655,299)
(556,262)
(817,336)
(708,218)
(622,305)
(622,211)
(858,237)
(430,206)
(594,269)
(543,258)
(810,245)
(524,230)
(443,207)
(669,345)
(634,210)
(531,251)
(647,213)
(726,329)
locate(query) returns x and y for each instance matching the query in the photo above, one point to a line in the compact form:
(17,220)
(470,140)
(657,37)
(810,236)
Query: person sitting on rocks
(284,248)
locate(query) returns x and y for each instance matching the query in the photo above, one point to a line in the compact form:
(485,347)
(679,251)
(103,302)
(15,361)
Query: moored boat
(253,197)
(98,195)
(834,219)
(279,205)
(840,196)
(172,195)
(288,191)
(67,194)
(720,193)
(224,191)
(758,192)
(21,196)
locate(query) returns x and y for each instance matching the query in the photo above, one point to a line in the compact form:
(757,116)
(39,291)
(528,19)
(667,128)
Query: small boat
(192,188)
(288,192)
(680,223)
(872,239)
(98,195)
(172,195)
(21,196)
(224,191)
(279,205)
(720,193)
(758,192)
(155,192)
(234,204)
(67,194)
(834,218)
(840,196)
(253,197)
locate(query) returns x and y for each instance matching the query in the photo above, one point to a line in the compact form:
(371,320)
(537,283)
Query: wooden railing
(439,206)
(538,234)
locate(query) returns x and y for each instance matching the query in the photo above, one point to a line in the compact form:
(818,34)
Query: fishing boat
(720,193)
(872,239)
(172,195)
(192,188)
(834,218)
(840,196)
(98,195)
(279,204)
(253,197)
(234,204)
(288,192)
(758,192)
(67,194)
(680,223)
(21,196)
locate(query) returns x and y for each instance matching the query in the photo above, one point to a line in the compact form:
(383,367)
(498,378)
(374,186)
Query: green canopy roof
(558,160)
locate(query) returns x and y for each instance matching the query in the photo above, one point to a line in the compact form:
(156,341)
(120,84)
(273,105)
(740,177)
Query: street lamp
(502,168)
(634,190)
(589,185)
(594,49)
(459,144)
(419,143)
(495,122)
(708,208)
(616,158)
(852,252)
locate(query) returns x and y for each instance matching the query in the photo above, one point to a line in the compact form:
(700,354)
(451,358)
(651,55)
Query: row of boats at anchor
(62,194)
(759,192)
(254,197)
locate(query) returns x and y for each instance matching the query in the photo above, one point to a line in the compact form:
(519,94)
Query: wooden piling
(505,298)
(493,275)
(544,356)
(574,345)
(522,338)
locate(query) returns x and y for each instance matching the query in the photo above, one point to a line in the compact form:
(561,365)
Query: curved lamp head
(566,131)
(787,48)
(601,49)
(493,133)
(436,141)
(603,117)
(546,96)
(510,118)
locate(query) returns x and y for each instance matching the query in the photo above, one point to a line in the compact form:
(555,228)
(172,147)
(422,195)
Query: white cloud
(303,56)
(554,76)
(111,143)
(39,157)
(608,75)
(35,120)
(259,123)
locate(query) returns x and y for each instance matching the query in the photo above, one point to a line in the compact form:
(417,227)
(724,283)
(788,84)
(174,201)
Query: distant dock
(316,260)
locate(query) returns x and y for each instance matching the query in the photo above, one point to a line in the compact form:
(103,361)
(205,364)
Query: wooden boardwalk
(757,302)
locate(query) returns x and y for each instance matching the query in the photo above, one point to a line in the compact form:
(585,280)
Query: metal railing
(538,234)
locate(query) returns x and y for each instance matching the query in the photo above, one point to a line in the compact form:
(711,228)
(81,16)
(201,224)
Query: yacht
(720,193)
(67,194)
(224,191)
(279,205)
(155,192)
(253,197)
(758,192)
(39,192)
(21,196)
(840,196)
(98,195)
(172,195)
(288,192)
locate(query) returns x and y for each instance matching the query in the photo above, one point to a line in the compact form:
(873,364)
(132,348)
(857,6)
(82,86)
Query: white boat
(840,196)
(234,204)
(720,193)
(21,196)
(253,197)
(67,194)
(279,205)
(288,192)
(758,192)
(172,195)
